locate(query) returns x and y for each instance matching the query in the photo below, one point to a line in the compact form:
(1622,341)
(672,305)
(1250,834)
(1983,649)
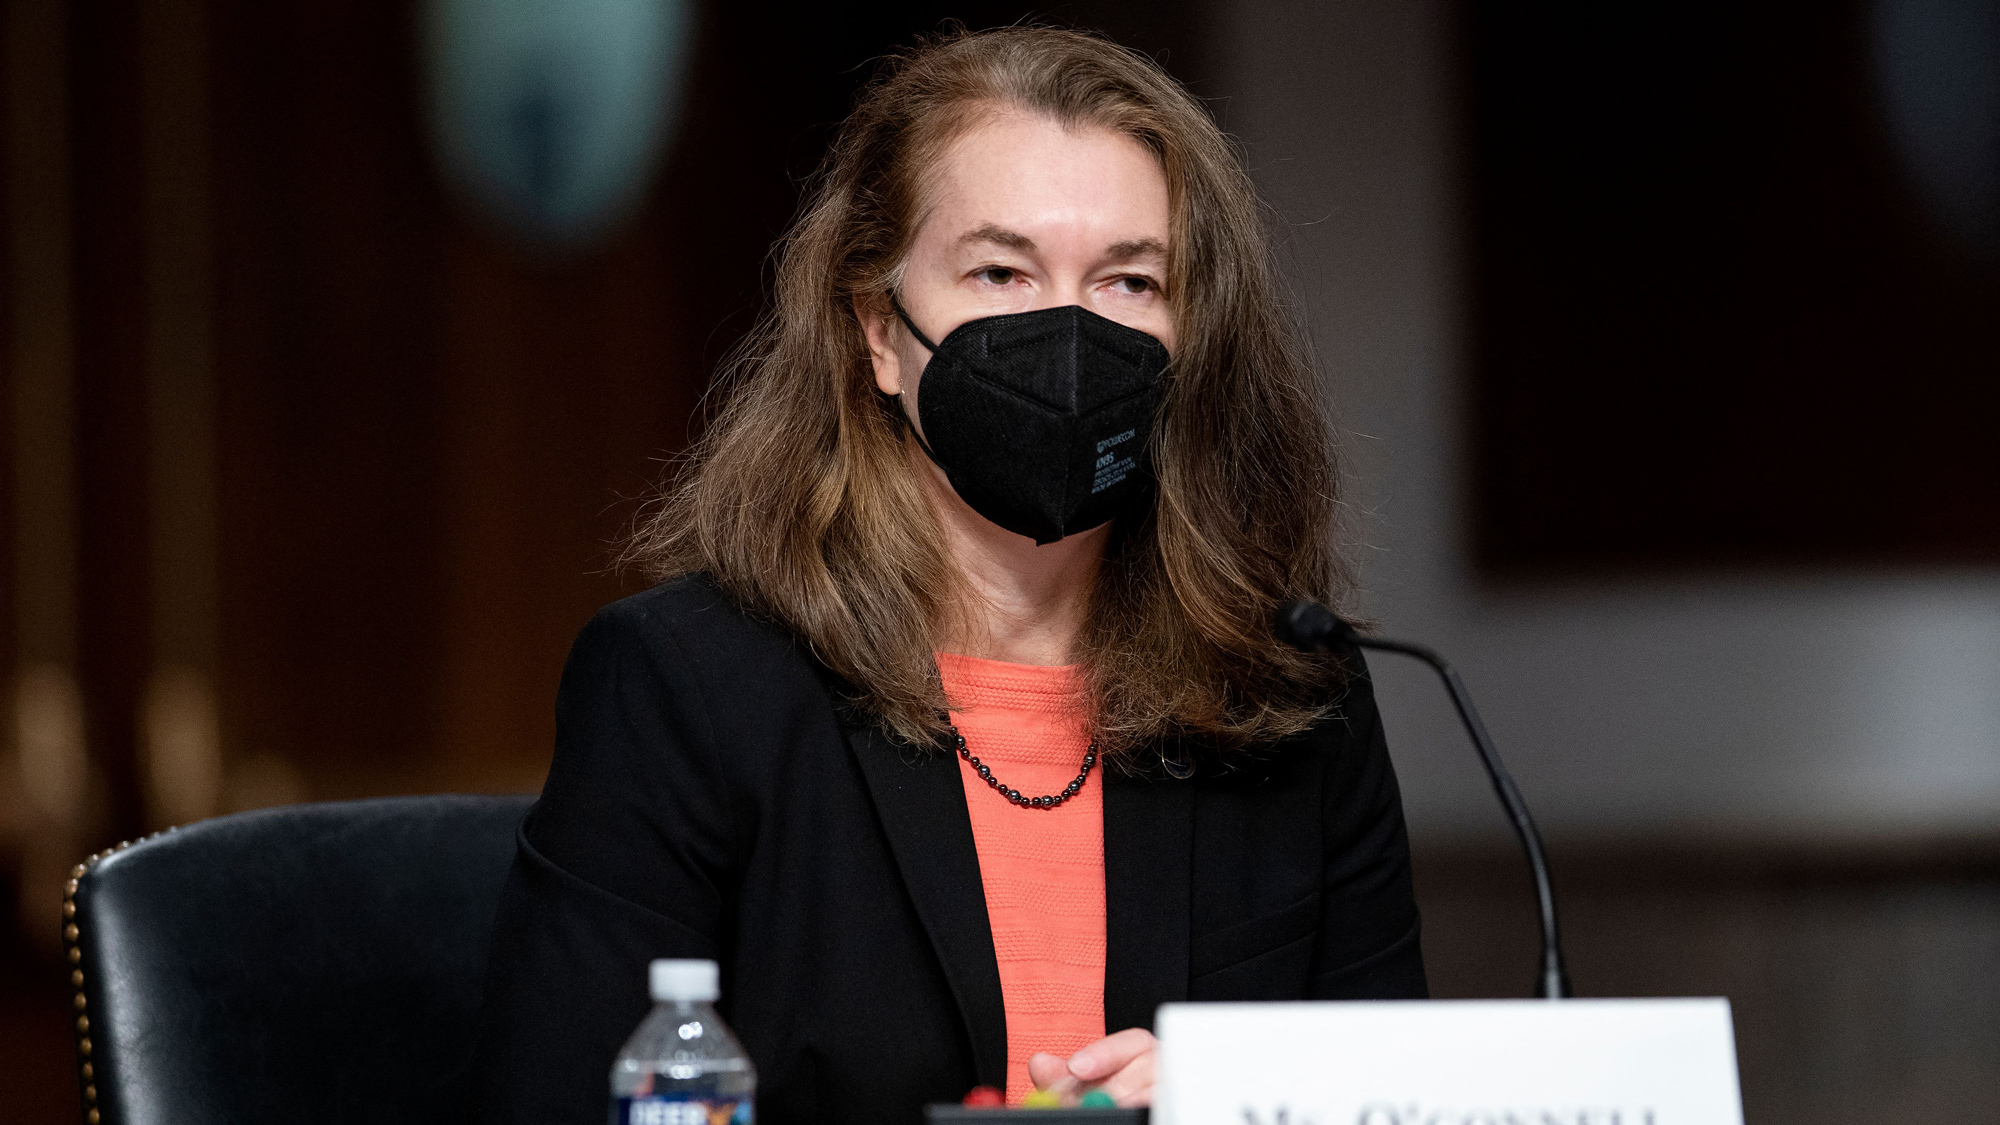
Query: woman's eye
(996,275)
(1135,284)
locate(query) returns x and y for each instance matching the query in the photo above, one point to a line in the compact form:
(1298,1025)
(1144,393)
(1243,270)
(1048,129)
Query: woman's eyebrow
(1125,251)
(1135,248)
(1012,240)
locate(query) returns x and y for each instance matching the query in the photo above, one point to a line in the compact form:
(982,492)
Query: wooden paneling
(16,143)
(113,642)
(330,235)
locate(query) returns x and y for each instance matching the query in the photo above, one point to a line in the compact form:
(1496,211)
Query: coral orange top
(1043,869)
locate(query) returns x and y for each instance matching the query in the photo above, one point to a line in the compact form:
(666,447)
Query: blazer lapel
(921,803)
(1148,877)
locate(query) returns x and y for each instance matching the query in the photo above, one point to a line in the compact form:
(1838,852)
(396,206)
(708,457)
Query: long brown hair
(801,500)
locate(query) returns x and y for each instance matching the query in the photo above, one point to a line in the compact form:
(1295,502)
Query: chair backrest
(315,963)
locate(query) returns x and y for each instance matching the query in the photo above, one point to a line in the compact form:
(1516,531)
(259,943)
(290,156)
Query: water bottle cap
(685,980)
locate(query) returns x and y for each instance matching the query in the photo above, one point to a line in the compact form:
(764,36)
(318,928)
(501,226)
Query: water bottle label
(658,1109)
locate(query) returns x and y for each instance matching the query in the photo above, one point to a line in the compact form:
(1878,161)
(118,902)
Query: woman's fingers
(1111,1054)
(1132,1085)
(1051,1072)
(1044,1068)
(1121,1065)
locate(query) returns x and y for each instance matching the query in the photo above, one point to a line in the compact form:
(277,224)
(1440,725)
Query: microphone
(1311,627)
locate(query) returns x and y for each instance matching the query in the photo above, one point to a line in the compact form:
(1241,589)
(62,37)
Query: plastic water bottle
(683,1066)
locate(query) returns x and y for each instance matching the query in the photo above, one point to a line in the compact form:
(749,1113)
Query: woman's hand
(1121,1065)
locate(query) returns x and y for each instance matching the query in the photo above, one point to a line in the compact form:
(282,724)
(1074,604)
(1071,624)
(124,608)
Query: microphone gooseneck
(1311,627)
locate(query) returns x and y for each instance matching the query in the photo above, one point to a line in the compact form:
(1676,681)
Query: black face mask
(1042,421)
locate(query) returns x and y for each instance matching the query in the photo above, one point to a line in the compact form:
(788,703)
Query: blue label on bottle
(665,1109)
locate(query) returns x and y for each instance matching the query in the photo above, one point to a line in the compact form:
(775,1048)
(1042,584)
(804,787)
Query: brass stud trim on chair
(73,939)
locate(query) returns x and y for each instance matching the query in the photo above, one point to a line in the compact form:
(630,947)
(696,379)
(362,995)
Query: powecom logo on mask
(1043,420)
(1111,467)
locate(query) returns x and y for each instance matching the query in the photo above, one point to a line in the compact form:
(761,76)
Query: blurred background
(342,341)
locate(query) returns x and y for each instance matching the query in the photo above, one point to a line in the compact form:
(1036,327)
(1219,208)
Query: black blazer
(709,798)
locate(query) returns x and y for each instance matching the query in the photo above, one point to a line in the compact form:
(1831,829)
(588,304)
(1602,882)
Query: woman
(957,731)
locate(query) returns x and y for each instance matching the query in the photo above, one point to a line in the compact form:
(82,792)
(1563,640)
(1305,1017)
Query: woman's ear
(878,325)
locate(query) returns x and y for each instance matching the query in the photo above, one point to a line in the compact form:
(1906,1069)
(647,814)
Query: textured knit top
(1043,869)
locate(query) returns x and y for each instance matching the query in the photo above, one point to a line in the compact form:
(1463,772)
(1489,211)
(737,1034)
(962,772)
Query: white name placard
(1470,1062)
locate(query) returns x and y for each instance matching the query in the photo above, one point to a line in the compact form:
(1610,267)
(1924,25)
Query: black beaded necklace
(1046,802)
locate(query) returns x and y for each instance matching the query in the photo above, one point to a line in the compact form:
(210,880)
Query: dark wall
(1716,323)
(1864,982)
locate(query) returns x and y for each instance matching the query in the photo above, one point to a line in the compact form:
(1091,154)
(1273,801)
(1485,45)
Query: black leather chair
(319,963)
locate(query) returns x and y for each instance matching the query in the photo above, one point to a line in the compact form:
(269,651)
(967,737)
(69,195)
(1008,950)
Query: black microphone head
(1309,626)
